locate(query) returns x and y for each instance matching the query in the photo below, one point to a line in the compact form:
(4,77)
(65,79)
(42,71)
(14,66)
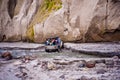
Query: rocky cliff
(72,20)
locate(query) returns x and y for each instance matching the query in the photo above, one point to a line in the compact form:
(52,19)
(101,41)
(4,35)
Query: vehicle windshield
(53,41)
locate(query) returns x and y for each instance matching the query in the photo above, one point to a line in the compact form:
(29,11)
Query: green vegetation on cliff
(47,7)
(30,34)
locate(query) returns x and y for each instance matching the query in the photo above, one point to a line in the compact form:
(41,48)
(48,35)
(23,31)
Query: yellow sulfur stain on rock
(47,7)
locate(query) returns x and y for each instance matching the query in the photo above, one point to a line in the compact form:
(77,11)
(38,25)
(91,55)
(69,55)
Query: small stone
(21,75)
(82,64)
(24,74)
(83,78)
(17,63)
(116,60)
(31,78)
(44,64)
(100,61)
(100,66)
(62,76)
(90,64)
(23,68)
(109,63)
(115,57)
(101,71)
(51,66)
(63,62)
(93,78)
(6,55)
(35,63)
(27,58)
(18,75)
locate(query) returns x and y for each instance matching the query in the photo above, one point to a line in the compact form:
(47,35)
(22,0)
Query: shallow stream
(42,54)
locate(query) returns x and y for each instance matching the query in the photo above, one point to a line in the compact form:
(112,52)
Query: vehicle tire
(62,44)
(58,50)
(46,50)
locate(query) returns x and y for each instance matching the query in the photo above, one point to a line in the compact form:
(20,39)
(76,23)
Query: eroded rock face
(77,20)
(105,24)
(15,16)
(80,20)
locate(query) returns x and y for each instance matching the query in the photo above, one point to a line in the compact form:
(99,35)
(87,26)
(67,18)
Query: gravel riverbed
(35,64)
(60,66)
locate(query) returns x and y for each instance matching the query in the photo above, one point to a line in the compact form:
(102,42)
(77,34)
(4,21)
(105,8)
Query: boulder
(51,66)
(7,55)
(90,64)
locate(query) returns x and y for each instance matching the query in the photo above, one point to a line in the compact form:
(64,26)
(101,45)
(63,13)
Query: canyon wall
(71,20)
